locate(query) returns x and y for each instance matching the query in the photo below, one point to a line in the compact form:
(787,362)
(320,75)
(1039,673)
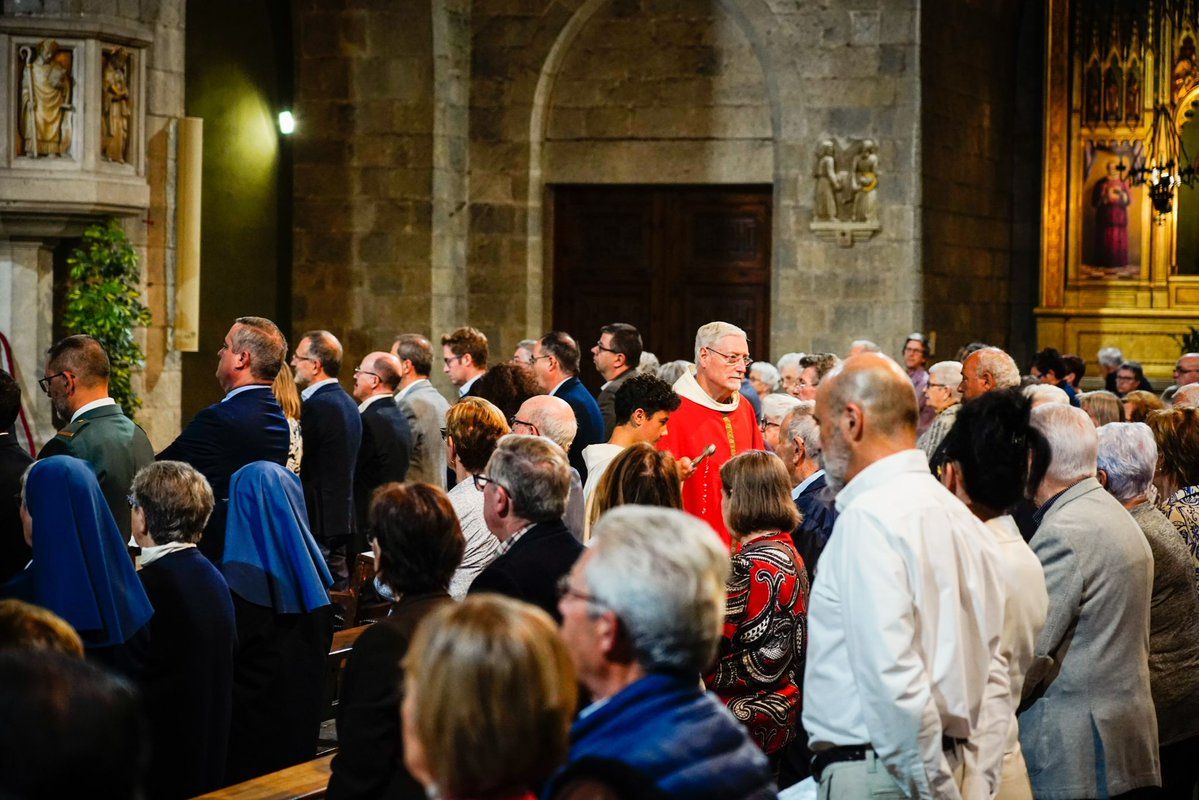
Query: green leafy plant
(103,301)
(1189,341)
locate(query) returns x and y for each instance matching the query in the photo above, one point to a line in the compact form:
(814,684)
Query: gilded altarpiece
(1110,268)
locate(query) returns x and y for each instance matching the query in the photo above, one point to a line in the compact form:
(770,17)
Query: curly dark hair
(420,540)
(991,441)
(507,386)
(647,392)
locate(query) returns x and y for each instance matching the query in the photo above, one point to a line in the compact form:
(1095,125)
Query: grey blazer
(607,401)
(425,408)
(1087,722)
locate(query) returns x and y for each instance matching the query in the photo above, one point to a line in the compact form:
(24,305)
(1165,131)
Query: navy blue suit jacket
(222,439)
(819,514)
(589,417)
(384,454)
(332,431)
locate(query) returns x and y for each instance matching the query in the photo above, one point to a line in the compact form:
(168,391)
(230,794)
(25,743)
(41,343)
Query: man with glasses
(552,417)
(524,495)
(332,430)
(915,360)
(386,448)
(712,414)
(96,430)
(616,356)
(556,368)
(1186,370)
(464,353)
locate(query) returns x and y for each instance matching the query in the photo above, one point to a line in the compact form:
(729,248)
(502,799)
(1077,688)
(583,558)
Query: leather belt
(858,752)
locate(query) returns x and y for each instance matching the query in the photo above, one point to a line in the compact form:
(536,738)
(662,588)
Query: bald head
(986,370)
(552,418)
(379,373)
(880,388)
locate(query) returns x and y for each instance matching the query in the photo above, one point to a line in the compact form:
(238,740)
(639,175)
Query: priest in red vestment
(712,413)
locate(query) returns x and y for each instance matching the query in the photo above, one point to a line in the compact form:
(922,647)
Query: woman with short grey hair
(764,377)
(1127,460)
(944,394)
(188,685)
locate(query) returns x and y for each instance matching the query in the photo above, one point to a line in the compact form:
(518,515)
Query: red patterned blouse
(759,666)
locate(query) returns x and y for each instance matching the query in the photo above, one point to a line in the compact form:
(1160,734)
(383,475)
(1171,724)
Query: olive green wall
(238,73)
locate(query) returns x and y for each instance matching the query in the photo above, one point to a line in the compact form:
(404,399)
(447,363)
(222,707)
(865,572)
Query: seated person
(417,544)
(473,427)
(284,618)
(641,616)
(26,627)
(68,729)
(188,683)
(81,569)
(494,671)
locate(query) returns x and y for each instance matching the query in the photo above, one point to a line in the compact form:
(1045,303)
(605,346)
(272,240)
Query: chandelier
(1165,166)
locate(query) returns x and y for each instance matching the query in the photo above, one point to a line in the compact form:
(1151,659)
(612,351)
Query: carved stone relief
(45,116)
(845,205)
(116,104)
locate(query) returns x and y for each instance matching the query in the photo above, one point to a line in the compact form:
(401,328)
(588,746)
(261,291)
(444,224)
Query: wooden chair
(301,782)
(343,643)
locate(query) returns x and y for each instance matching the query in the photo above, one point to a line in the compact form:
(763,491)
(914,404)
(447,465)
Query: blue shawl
(270,557)
(81,569)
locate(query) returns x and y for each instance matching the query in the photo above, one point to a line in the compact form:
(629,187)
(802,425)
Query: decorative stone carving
(46,78)
(845,204)
(116,105)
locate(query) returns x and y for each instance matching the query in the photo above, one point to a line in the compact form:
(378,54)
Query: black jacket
(530,570)
(332,431)
(384,454)
(14,553)
(222,439)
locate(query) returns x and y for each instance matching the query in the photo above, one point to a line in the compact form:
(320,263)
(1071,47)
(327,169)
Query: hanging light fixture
(1166,165)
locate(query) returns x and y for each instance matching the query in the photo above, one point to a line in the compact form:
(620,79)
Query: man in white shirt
(424,407)
(905,621)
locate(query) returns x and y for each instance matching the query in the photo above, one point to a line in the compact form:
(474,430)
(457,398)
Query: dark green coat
(114,446)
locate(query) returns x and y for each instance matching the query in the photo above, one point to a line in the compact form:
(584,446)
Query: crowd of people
(717,578)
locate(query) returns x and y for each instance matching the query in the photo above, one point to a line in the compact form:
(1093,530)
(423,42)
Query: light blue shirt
(246,388)
(311,390)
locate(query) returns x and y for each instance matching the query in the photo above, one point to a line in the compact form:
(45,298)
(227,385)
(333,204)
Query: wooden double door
(664,258)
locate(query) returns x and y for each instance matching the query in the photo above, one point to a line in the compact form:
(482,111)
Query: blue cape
(270,557)
(81,569)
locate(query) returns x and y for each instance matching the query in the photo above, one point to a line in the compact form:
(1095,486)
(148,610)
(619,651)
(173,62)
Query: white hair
(663,573)
(766,373)
(671,371)
(802,425)
(775,406)
(1128,454)
(790,360)
(1043,394)
(648,364)
(555,421)
(1111,357)
(1072,442)
(713,332)
(864,346)
(999,365)
(1187,396)
(948,373)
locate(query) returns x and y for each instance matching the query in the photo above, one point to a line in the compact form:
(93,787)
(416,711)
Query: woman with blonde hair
(1138,404)
(640,475)
(1176,432)
(489,694)
(288,396)
(473,427)
(760,661)
(1102,407)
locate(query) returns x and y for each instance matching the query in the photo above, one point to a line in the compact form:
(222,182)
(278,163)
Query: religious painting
(1132,95)
(116,104)
(1111,210)
(45,100)
(1113,93)
(1093,92)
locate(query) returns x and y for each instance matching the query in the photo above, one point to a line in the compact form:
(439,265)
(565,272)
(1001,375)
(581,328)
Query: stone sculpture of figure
(865,182)
(827,183)
(45,102)
(116,104)
(1111,198)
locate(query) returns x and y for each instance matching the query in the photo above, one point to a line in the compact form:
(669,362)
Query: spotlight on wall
(287,123)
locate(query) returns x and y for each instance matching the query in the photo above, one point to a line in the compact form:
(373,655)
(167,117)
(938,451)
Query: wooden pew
(301,782)
(351,606)
(343,643)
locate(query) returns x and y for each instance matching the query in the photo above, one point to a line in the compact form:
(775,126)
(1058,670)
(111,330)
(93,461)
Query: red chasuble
(701,421)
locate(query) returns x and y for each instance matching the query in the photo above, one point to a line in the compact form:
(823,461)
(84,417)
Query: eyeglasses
(1178,370)
(482,480)
(452,359)
(358,372)
(763,425)
(44,383)
(932,385)
(598,346)
(513,422)
(298,357)
(732,360)
(916,349)
(565,590)
(535,359)
(1126,377)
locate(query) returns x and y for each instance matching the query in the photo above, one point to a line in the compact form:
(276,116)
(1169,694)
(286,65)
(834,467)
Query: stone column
(26,301)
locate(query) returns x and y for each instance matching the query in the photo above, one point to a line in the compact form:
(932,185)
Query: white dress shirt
(904,624)
(374,398)
(312,387)
(464,388)
(86,407)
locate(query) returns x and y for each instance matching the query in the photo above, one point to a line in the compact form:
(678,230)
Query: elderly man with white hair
(774,408)
(1088,727)
(943,395)
(1187,396)
(988,369)
(1046,394)
(642,613)
(1127,459)
(789,371)
(1110,359)
(712,416)
(764,378)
